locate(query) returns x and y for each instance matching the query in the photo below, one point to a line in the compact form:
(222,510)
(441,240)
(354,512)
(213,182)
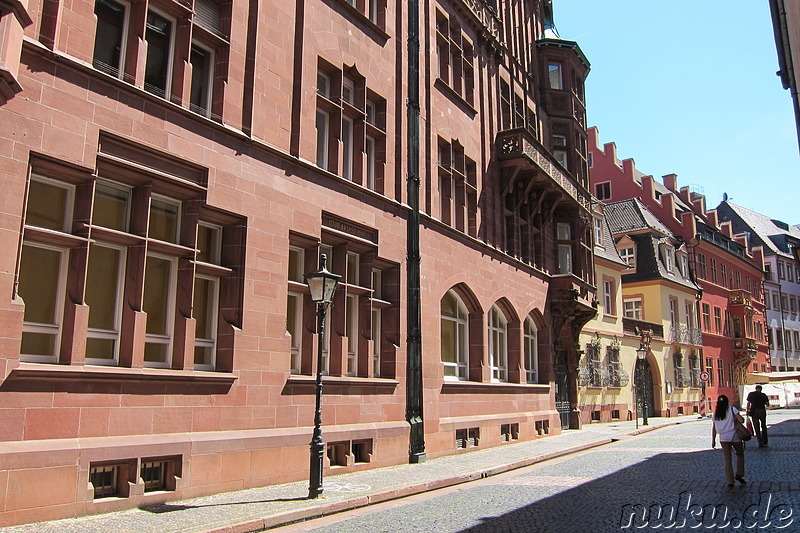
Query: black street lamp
(641,354)
(321,285)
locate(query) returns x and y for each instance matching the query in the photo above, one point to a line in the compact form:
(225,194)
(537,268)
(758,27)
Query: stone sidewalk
(267,507)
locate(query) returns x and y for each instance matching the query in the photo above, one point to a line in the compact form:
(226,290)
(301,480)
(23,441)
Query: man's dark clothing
(758,411)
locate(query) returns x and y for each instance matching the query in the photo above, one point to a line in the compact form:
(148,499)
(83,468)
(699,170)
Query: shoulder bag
(741,431)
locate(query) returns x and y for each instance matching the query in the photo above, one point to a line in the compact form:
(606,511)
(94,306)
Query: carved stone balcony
(520,146)
(740,297)
(745,348)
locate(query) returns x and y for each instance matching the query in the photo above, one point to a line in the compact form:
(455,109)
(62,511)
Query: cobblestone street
(674,466)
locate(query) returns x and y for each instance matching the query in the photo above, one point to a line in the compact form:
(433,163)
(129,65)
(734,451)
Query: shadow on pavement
(160,508)
(682,491)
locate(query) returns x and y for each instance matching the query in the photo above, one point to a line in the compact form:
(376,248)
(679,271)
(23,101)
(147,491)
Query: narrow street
(672,469)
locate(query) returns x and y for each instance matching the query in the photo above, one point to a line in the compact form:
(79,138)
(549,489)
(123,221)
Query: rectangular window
(369,152)
(633,308)
(555,77)
(348,90)
(713,270)
(608,297)
(776,301)
(153,474)
(104,298)
(718,320)
(202,61)
(206,298)
(41,286)
(347,149)
(351,332)
(111,206)
(294,310)
(376,343)
(706,317)
(603,190)
(104,480)
(767,299)
(159,288)
(323,135)
(627,255)
(779,338)
(598,231)
(164,219)
(564,235)
(701,263)
(323,84)
(109,42)
(49,204)
(158,65)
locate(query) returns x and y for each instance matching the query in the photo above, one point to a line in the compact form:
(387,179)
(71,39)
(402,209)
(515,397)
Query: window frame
(60,295)
(461,347)
(498,345)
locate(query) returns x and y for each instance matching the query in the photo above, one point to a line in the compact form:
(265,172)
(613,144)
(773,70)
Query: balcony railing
(635,327)
(519,142)
(685,334)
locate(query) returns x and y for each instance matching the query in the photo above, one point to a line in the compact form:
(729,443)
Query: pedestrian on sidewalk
(724,416)
(757,403)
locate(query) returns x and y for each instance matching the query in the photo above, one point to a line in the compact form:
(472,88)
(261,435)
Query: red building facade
(172,169)
(731,310)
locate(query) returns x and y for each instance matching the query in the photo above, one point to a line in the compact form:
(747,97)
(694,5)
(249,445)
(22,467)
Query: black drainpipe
(414,416)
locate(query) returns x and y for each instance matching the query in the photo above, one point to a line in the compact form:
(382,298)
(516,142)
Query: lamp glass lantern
(322,283)
(641,353)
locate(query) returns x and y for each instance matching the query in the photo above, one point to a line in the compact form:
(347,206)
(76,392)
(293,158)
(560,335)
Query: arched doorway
(645,396)
(563,405)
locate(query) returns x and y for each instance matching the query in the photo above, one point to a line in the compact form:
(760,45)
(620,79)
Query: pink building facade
(171,169)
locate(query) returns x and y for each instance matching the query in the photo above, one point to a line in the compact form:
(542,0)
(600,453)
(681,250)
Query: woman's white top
(725,428)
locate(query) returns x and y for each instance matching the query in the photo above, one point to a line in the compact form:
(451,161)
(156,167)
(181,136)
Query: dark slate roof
(632,215)
(774,235)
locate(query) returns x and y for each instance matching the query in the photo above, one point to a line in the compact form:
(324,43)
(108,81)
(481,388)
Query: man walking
(757,403)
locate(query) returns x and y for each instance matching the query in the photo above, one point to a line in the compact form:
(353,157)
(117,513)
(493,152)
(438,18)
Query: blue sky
(689,87)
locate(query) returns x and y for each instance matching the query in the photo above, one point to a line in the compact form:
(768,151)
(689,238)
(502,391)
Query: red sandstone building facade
(171,169)
(730,308)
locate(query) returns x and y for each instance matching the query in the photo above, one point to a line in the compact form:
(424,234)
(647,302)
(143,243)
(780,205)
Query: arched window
(498,345)
(531,351)
(455,351)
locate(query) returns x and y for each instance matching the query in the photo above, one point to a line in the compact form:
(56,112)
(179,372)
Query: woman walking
(724,416)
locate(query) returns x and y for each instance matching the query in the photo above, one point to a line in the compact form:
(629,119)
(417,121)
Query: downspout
(414,413)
